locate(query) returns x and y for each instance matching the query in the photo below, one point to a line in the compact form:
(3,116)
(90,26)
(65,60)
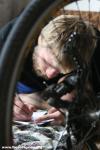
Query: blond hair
(57,32)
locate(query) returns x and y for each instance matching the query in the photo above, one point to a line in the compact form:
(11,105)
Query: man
(49,59)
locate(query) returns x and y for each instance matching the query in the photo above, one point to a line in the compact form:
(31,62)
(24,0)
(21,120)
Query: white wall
(84,5)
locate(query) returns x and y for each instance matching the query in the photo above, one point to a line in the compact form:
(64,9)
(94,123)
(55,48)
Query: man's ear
(42,41)
(39,40)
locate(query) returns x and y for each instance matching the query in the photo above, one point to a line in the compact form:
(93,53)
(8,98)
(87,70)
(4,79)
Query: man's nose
(51,72)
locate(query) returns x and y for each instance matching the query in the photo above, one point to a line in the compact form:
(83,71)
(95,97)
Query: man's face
(47,64)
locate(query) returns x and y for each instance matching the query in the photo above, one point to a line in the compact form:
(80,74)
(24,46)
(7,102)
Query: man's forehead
(42,41)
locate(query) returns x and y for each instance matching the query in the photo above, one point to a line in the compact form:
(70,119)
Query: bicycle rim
(29,26)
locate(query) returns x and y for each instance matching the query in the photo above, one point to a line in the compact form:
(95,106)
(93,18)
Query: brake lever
(52,94)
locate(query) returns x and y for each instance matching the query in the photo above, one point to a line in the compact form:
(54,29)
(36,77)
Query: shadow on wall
(10,8)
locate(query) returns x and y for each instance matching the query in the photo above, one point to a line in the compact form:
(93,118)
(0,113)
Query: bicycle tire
(9,78)
(9,72)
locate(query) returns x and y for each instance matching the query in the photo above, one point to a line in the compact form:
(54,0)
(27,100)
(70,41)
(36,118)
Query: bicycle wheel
(29,26)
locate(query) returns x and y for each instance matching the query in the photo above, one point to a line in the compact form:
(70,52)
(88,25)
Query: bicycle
(9,74)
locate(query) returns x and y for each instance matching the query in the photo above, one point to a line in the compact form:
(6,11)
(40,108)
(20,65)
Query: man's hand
(23,110)
(53,113)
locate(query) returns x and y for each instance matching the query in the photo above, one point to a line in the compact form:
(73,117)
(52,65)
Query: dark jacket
(95,66)
(27,78)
